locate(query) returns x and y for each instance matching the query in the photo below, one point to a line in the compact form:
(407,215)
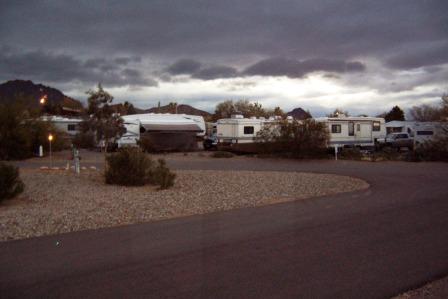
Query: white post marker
(336,152)
(76,158)
(41,151)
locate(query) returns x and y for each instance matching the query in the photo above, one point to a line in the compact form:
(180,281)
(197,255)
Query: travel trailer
(238,129)
(347,131)
(420,131)
(69,126)
(163,131)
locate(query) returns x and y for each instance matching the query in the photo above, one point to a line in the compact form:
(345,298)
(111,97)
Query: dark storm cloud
(216,72)
(184,66)
(340,30)
(268,67)
(296,69)
(420,56)
(50,67)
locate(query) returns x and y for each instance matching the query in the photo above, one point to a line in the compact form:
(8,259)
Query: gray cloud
(296,69)
(268,67)
(420,56)
(184,66)
(216,72)
(49,67)
(298,29)
(125,44)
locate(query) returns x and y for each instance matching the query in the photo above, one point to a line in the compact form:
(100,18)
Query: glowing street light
(50,139)
(43,100)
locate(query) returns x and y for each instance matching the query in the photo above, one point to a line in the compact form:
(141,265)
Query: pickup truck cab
(399,140)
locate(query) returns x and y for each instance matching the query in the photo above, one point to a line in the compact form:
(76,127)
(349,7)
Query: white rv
(238,129)
(420,131)
(358,131)
(138,124)
(70,126)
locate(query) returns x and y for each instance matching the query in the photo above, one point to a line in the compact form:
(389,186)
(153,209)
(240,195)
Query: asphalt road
(374,243)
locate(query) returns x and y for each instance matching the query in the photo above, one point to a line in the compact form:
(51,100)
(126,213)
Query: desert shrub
(298,139)
(433,150)
(84,140)
(350,154)
(10,182)
(129,167)
(162,176)
(222,154)
(146,144)
(386,153)
(132,167)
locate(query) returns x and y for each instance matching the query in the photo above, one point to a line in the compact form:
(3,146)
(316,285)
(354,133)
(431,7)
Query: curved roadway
(374,243)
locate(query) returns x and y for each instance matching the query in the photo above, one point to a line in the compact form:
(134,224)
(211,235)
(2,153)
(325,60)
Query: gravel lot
(59,201)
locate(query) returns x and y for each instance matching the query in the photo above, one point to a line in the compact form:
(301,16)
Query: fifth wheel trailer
(165,132)
(361,131)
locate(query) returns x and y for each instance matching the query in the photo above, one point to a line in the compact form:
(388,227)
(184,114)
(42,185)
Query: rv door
(351,129)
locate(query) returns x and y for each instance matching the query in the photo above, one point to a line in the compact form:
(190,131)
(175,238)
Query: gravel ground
(435,290)
(59,201)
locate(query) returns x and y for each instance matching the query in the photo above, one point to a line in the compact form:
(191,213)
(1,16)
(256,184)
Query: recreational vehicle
(69,126)
(359,131)
(163,131)
(238,129)
(420,131)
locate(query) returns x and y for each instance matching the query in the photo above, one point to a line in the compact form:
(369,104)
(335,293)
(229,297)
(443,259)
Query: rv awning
(172,128)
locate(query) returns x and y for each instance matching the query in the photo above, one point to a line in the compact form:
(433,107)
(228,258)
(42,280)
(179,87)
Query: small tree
(338,112)
(224,109)
(101,119)
(394,114)
(425,113)
(306,138)
(172,107)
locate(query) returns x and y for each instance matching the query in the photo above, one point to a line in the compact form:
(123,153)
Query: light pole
(50,138)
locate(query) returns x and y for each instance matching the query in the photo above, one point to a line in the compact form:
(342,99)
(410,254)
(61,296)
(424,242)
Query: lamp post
(43,103)
(43,100)
(50,138)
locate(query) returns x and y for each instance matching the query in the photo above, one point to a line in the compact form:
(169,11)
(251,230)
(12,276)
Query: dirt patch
(59,201)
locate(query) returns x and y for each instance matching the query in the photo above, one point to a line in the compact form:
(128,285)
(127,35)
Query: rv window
(376,126)
(248,130)
(335,128)
(425,133)
(358,127)
(71,127)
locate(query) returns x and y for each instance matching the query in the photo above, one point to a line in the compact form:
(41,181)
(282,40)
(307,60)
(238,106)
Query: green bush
(222,154)
(162,175)
(295,139)
(10,182)
(146,144)
(387,154)
(132,167)
(129,167)
(350,154)
(434,150)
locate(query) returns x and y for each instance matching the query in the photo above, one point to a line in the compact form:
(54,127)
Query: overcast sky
(362,56)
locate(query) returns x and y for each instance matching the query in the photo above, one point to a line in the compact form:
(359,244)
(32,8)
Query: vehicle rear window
(248,130)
